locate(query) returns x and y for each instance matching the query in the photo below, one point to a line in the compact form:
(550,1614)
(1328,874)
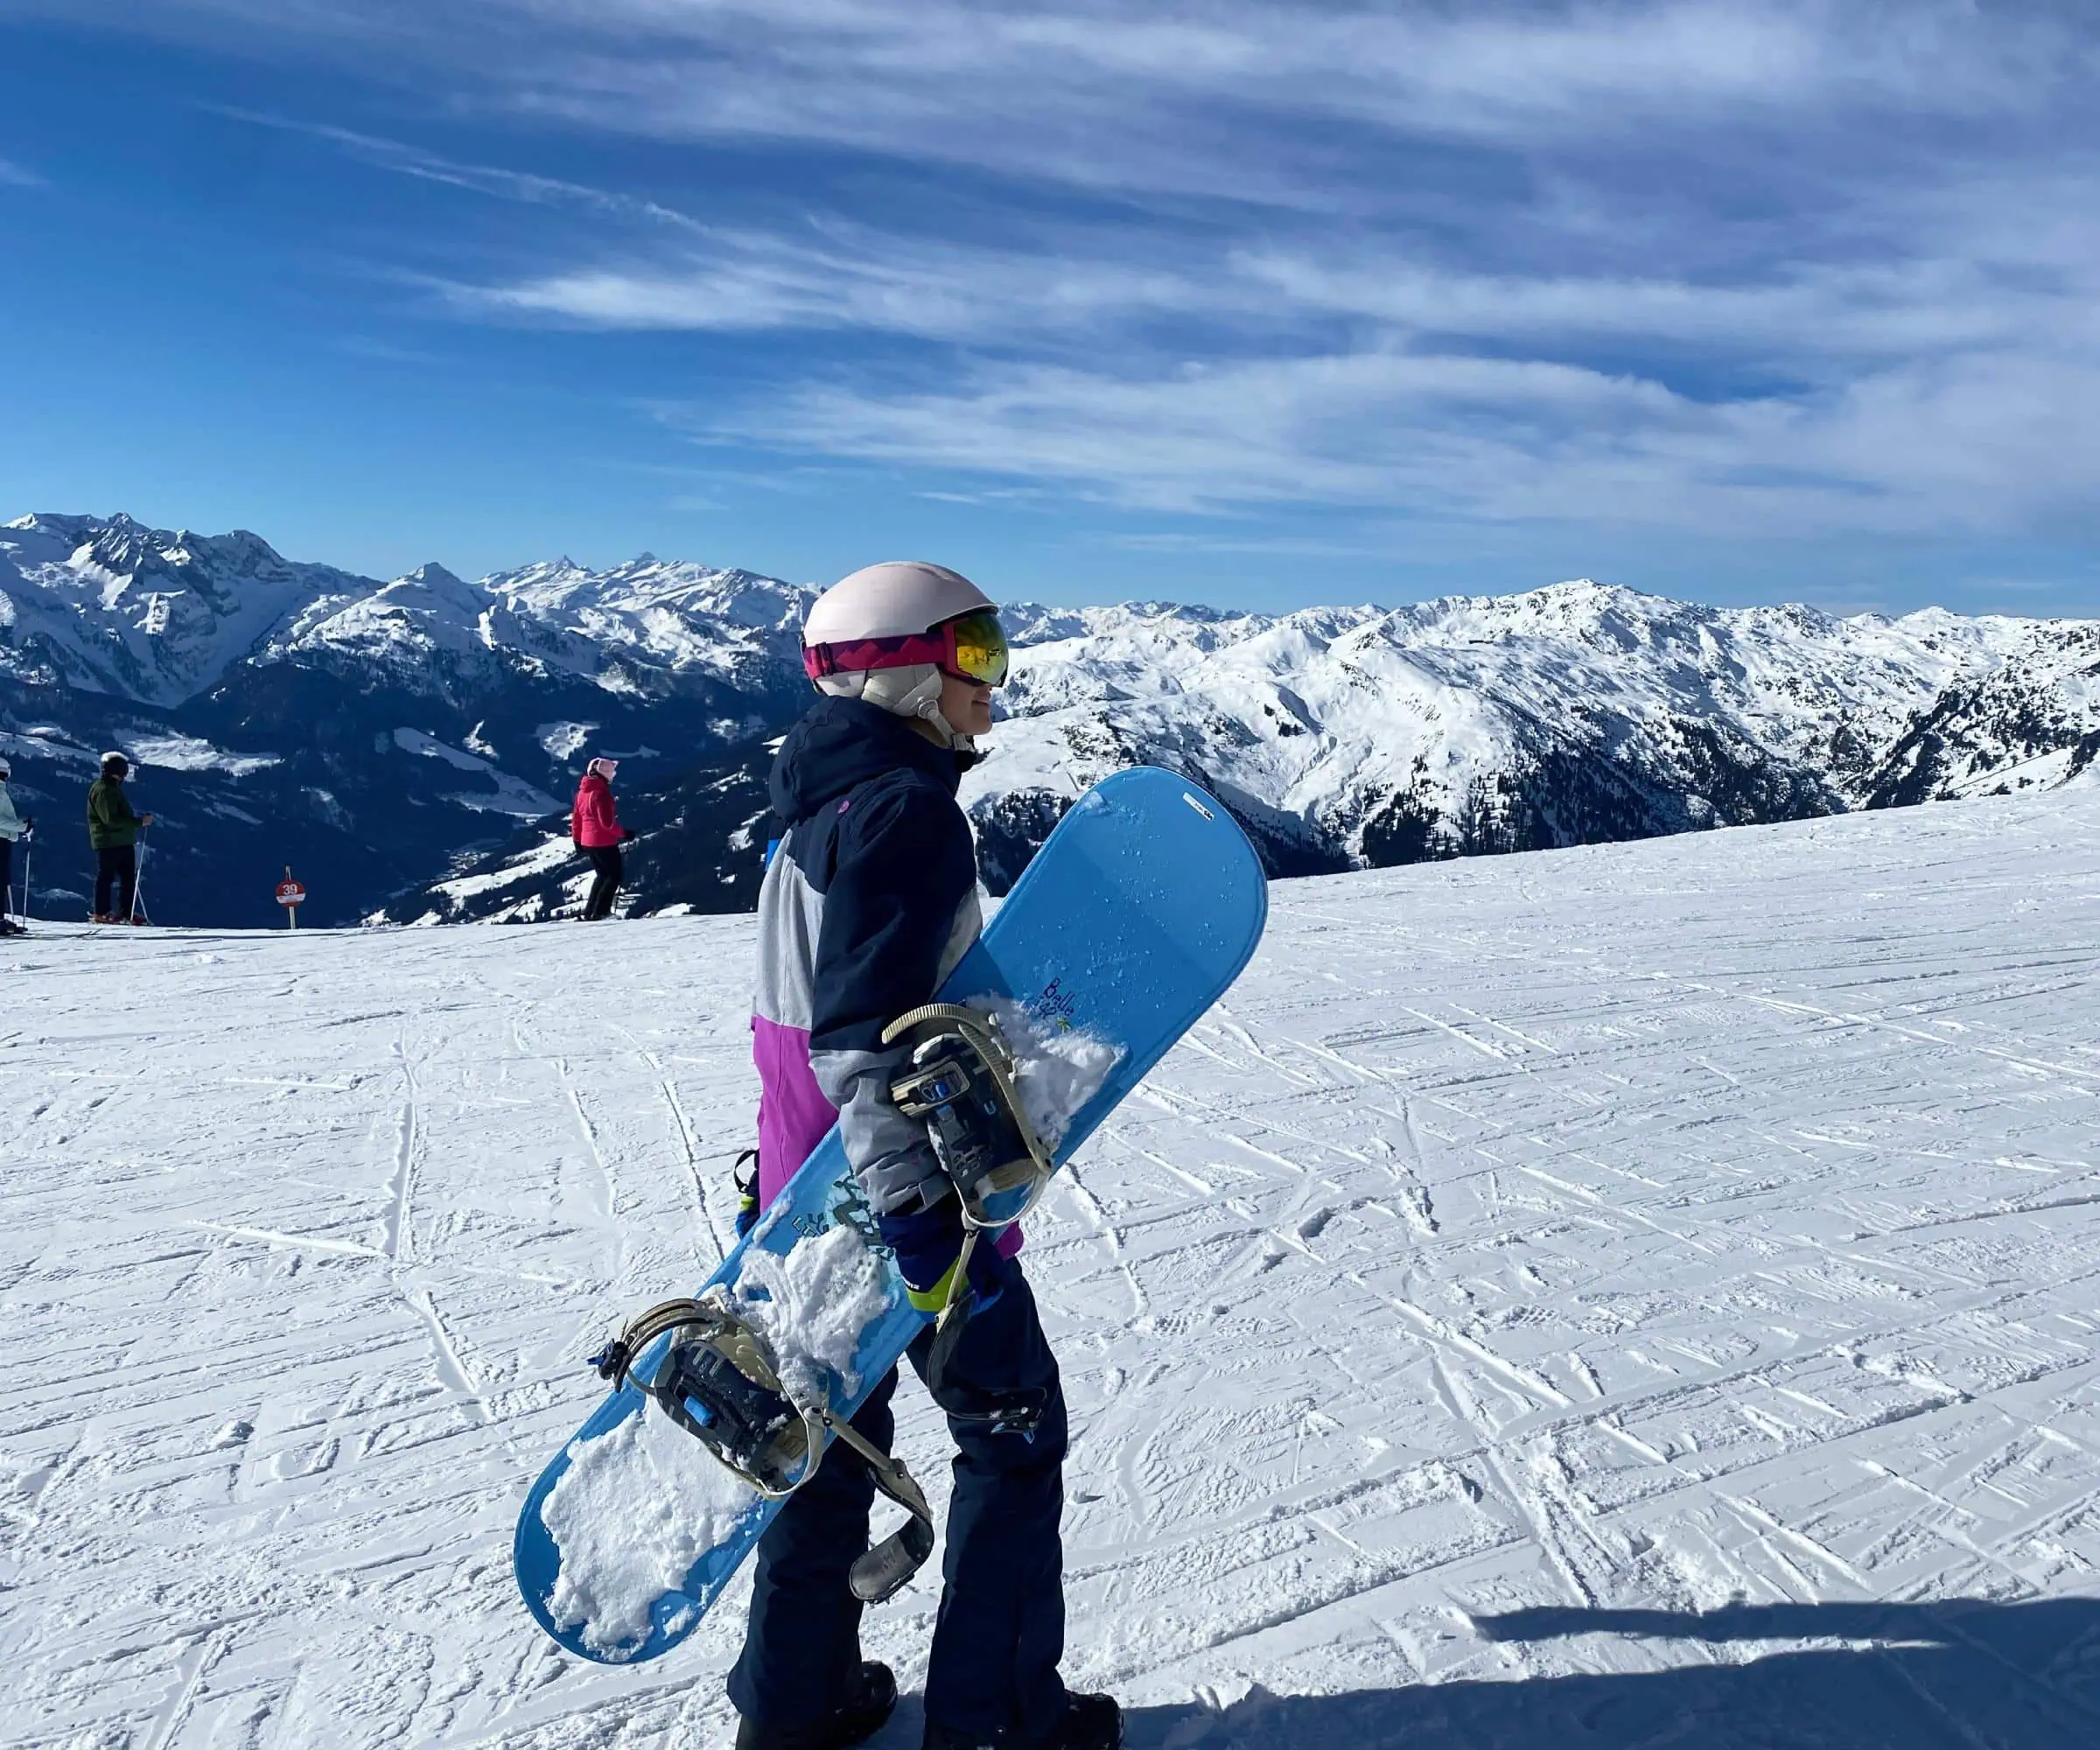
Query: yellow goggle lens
(980,648)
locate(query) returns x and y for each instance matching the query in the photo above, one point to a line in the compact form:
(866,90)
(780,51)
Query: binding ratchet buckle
(719,1382)
(960,1084)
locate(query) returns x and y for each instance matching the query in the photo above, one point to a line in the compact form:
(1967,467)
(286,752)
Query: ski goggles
(972,647)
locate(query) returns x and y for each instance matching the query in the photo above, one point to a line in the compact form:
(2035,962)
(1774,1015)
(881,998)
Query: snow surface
(811,1308)
(1636,1296)
(189,753)
(1057,1069)
(634,1510)
(509,795)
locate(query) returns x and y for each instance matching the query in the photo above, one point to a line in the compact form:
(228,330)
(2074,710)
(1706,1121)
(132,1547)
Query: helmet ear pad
(913,691)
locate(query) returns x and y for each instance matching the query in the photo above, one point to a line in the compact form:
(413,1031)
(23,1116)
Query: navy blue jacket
(869,903)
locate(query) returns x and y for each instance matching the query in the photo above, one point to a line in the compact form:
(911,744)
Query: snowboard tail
(1136,915)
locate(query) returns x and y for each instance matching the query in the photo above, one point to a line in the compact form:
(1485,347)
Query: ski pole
(29,842)
(138,878)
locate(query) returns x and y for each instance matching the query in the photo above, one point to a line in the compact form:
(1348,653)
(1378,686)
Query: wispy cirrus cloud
(1957,448)
(13,175)
(1129,95)
(1829,264)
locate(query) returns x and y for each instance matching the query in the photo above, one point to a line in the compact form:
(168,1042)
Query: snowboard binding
(961,1084)
(719,1382)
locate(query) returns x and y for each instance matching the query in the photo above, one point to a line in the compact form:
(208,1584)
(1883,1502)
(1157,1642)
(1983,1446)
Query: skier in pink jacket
(594,825)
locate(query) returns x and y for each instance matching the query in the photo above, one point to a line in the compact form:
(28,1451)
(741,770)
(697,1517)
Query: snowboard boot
(1091,1722)
(860,1716)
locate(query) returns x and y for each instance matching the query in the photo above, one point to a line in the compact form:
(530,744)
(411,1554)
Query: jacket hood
(840,743)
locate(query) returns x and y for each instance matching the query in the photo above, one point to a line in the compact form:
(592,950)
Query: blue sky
(1257,303)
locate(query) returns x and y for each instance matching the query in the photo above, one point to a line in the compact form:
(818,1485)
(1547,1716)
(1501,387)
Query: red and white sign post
(291,896)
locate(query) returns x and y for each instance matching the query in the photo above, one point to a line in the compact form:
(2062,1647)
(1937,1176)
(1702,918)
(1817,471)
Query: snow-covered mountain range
(373,735)
(1571,714)
(409,740)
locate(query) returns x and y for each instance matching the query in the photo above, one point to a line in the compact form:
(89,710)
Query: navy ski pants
(115,869)
(608,867)
(1001,1628)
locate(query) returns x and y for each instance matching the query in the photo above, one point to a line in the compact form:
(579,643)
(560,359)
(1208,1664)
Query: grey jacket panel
(970,925)
(891,1156)
(891,1153)
(790,915)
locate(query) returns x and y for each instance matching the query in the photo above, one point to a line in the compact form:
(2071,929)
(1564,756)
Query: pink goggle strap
(819,660)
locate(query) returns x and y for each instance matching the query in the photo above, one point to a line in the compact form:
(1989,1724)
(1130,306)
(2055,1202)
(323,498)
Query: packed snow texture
(1057,1069)
(1642,1295)
(811,1306)
(634,1510)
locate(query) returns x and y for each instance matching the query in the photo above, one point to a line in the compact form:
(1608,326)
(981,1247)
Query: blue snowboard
(1131,921)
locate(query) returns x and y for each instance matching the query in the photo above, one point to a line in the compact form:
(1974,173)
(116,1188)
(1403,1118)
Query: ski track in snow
(1643,1295)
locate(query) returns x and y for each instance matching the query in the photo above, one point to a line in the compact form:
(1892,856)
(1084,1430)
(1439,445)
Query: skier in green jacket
(113,829)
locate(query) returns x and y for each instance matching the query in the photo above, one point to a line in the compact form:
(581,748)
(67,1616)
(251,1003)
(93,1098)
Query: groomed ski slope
(1636,1296)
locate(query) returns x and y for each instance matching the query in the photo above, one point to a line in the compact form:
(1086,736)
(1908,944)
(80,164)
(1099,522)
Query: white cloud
(1120,95)
(13,175)
(1972,445)
(1708,263)
(840,276)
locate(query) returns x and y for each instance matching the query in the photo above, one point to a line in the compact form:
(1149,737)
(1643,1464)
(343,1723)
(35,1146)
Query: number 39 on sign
(291,896)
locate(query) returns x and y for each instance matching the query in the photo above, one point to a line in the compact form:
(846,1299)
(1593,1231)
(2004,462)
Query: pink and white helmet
(887,632)
(894,600)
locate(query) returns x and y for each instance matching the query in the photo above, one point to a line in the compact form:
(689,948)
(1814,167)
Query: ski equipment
(895,600)
(719,1381)
(139,915)
(960,1083)
(743,1174)
(971,649)
(1134,918)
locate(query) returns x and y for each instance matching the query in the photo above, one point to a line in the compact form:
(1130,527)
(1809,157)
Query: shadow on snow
(1967,1673)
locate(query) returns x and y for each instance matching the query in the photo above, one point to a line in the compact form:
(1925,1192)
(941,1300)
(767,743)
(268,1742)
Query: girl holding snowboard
(868,904)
